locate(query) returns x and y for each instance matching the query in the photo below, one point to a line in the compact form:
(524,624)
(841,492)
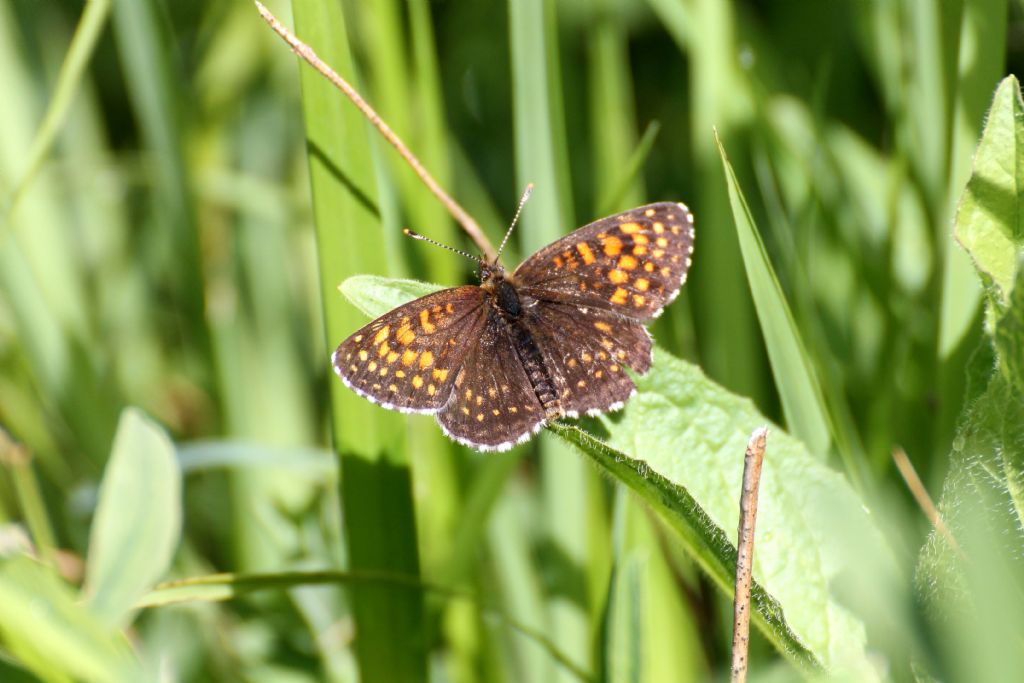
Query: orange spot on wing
(409,357)
(405,335)
(642,284)
(630,228)
(627,262)
(603,326)
(619,297)
(612,246)
(382,334)
(417,381)
(617,276)
(427,359)
(425,323)
(585,253)
(440,374)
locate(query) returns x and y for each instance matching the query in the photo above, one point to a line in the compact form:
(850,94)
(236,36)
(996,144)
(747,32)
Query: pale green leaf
(375,296)
(138,519)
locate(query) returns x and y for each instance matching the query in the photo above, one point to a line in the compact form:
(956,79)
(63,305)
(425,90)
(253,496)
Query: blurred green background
(178,248)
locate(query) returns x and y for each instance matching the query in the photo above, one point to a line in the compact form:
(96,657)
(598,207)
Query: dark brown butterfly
(495,362)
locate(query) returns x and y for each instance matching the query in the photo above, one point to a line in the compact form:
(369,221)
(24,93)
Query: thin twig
(307,53)
(920,494)
(745,553)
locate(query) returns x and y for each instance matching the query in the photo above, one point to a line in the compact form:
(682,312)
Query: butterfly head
(491,274)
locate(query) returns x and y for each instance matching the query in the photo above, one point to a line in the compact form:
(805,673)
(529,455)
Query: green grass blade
(620,195)
(795,378)
(375,484)
(156,98)
(138,519)
(719,96)
(542,158)
(91,25)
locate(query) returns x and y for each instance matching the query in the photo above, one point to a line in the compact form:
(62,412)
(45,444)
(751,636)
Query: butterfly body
(495,362)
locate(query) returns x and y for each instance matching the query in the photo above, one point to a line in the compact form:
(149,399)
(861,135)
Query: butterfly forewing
(408,358)
(632,263)
(493,405)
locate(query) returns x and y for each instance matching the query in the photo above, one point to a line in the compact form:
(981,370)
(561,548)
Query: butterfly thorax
(507,309)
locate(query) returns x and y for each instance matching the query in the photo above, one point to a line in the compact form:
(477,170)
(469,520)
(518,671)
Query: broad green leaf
(679,446)
(989,221)
(972,579)
(53,634)
(375,296)
(138,519)
(794,374)
(1009,333)
(975,590)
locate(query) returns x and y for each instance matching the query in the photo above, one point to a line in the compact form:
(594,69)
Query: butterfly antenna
(515,219)
(416,236)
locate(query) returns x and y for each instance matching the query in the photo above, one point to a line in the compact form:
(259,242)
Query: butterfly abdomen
(508,308)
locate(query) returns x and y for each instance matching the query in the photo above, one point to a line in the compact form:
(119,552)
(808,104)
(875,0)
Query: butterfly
(494,362)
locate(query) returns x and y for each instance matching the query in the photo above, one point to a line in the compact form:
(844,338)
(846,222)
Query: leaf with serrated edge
(988,219)
(683,435)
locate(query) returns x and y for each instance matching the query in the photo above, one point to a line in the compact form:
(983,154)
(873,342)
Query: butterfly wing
(493,405)
(631,264)
(586,354)
(408,358)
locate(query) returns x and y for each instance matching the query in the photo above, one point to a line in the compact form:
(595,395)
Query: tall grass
(181,198)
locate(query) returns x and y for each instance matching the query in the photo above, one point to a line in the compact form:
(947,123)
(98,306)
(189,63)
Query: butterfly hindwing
(493,405)
(632,263)
(587,353)
(408,358)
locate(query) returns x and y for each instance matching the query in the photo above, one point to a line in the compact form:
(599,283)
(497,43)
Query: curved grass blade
(91,25)
(794,374)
